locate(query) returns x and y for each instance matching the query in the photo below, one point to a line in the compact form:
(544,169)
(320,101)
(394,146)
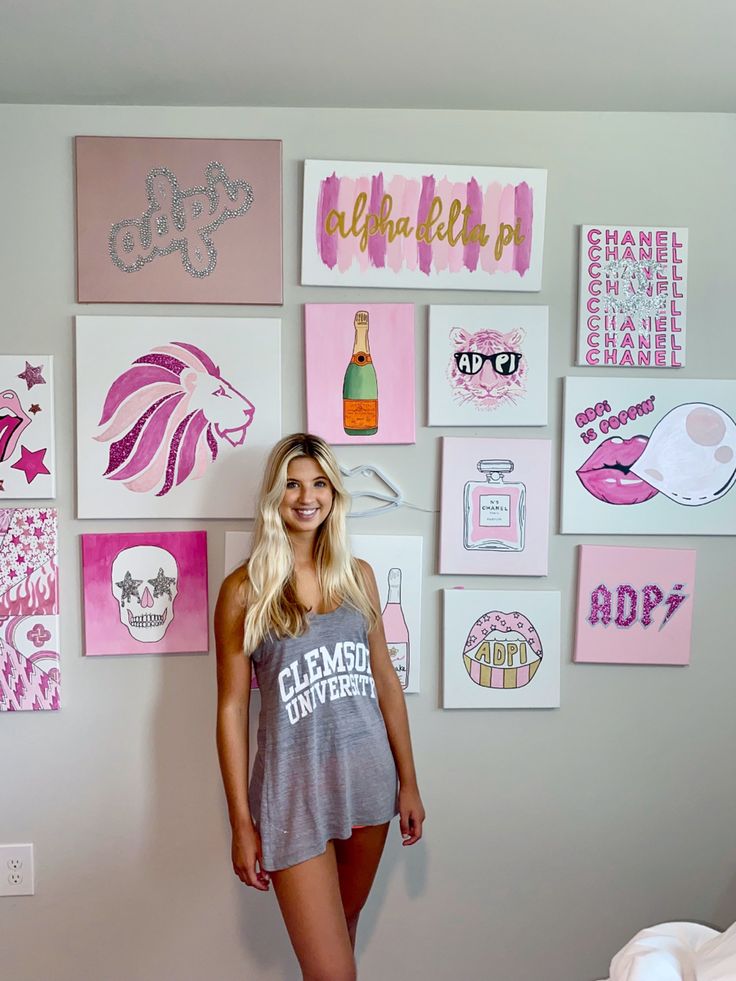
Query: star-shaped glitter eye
(129,586)
(162,584)
(32,375)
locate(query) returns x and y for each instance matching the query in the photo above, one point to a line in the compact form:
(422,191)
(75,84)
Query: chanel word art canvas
(145,593)
(635,605)
(649,456)
(175,415)
(178,220)
(410,226)
(488,366)
(501,649)
(27,464)
(633,292)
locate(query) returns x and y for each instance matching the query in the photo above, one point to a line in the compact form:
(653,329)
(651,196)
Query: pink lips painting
(606,474)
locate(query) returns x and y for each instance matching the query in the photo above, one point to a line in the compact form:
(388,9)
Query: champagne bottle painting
(396,561)
(360,372)
(360,385)
(395,628)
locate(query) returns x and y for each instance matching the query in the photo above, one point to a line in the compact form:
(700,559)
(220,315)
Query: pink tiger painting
(487,369)
(165,417)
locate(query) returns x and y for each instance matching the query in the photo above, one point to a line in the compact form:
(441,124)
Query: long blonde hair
(272,604)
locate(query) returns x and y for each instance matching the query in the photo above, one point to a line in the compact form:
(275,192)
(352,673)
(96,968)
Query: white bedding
(677,952)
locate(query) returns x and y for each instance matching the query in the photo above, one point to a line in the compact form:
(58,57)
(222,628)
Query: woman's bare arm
(393,709)
(233,702)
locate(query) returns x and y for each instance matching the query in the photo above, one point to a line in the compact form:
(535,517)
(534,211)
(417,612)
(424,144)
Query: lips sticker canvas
(649,456)
(501,649)
(488,366)
(145,593)
(635,605)
(175,415)
(27,464)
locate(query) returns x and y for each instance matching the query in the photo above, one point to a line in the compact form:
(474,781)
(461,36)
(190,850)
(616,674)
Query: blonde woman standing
(334,763)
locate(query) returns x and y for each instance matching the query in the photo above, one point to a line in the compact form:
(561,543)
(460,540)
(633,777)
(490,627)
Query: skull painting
(145,581)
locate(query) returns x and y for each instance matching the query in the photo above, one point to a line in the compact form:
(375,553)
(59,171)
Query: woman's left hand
(411,815)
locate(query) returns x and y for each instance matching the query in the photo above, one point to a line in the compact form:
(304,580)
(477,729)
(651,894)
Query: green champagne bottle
(360,385)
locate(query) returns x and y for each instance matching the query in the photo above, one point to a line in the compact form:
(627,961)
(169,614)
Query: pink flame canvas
(29,607)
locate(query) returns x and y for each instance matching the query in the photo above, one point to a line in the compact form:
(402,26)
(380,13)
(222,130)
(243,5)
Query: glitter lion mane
(164,416)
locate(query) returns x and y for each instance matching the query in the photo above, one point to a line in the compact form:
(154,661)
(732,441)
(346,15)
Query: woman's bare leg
(310,901)
(357,862)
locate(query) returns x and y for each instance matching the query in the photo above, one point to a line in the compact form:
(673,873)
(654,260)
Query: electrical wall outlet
(16,870)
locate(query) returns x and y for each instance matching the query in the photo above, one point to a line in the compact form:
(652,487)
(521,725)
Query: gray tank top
(323,763)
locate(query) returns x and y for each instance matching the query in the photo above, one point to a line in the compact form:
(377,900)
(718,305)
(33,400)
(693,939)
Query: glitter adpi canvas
(501,649)
(422,226)
(29,610)
(635,605)
(27,463)
(649,456)
(633,295)
(360,368)
(494,517)
(145,593)
(178,220)
(488,366)
(175,415)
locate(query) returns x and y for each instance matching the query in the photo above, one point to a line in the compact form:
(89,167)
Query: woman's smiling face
(308,496)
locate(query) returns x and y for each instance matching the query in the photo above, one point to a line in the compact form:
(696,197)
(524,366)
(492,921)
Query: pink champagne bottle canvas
(395,628)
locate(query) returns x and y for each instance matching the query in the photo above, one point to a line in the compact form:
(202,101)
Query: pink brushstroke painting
(422,225)
(469,226)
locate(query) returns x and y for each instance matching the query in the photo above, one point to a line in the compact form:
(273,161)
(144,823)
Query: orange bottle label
(361,358)
(360,413)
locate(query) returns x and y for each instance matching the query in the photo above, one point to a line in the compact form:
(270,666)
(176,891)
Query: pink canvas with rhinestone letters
(178,220)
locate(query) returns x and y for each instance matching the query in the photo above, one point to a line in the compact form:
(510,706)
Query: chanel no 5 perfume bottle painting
(495,509)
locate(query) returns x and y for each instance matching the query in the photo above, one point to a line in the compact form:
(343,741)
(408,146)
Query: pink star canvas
(635,605)
(29,608)
(27,466)
(145,593)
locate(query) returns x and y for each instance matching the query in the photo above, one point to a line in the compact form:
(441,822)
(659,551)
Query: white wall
(552,835)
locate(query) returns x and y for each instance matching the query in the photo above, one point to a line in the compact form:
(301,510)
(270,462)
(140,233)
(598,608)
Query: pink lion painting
(165,416)
(487,368)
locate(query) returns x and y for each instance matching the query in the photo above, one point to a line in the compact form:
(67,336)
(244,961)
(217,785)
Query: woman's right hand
(248,859)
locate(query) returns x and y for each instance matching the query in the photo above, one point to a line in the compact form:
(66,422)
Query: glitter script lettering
(179,219)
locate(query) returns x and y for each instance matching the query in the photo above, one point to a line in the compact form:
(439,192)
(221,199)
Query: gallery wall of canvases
(573,478)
